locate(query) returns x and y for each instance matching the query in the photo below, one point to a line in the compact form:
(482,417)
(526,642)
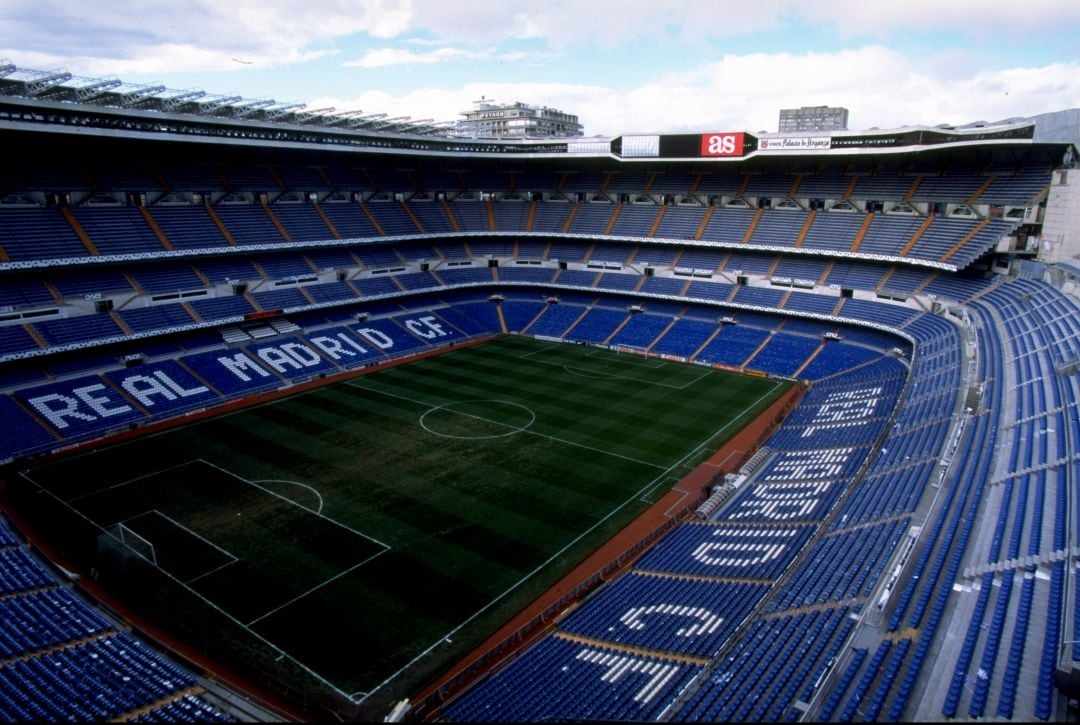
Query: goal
(632,350)
(137,543)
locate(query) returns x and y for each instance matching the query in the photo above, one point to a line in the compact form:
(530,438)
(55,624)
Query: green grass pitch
(375,530)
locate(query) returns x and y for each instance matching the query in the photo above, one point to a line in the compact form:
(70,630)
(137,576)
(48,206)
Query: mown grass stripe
(467,520)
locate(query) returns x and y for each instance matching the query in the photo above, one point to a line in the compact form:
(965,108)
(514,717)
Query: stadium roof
(60,85)
(57,101)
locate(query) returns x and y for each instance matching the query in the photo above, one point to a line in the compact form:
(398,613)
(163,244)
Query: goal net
(137,543)
(632,350)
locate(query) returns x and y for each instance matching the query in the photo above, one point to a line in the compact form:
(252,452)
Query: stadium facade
(902,547)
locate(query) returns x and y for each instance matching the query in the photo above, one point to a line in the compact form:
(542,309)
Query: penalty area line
(209,602)
(646,496)
(317,587)
(294,503)
(81,496)
(193,532)
(294,483)
(215,570)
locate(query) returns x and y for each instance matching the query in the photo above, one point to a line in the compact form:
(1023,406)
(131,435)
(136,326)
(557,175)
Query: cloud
(167,58)
(147,37)
(383,57)
(881,82)
(155,35)
(878,85)
(606,23)
(973,17)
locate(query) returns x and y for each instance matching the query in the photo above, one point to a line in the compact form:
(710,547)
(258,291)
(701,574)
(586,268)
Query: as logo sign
(722,144)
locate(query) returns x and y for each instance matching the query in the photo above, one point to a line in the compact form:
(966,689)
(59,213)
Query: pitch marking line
(191,531)
(298,597)
(295,483)
(294,503)
(572,370)
(731,422)
(209,602)
(188,530)
(447,406)
(528,432)
(118,485)
(602,375)
(641,492)
(317,587)
(669,472)
(636,360)
(215,570)
(646,497)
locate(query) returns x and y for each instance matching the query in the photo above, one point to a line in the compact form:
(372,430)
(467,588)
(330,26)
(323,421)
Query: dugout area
(350,543)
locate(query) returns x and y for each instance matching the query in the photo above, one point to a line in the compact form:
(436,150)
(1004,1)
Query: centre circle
(453,420)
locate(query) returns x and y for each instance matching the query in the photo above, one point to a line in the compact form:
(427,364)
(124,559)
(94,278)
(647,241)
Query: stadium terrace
(307,414)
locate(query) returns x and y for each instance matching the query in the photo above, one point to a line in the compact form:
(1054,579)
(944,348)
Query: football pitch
(373,531)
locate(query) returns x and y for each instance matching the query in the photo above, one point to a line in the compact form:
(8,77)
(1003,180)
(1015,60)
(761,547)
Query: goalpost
(137,543)
(632,350)
(163,543)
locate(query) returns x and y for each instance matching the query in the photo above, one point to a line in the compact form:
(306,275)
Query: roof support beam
(217,103)
(395,121)
(304,116)
(111,92)
(92,90)
(365,120)
(276,113)
(137,96)
(246,109)
(46,81)
(342,117)
(173,102)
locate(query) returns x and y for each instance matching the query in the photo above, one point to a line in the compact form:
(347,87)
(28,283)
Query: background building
(813,118)
(517,120)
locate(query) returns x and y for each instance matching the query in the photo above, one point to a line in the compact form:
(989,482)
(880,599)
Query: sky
(626,66)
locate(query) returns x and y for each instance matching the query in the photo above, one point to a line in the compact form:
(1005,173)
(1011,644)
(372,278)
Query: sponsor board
(794,143)
(722,144)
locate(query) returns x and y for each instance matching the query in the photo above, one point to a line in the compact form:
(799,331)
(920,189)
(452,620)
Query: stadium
(310,415)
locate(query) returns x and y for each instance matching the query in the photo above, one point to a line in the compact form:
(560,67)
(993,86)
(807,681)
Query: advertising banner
(795,143)
(722,144)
